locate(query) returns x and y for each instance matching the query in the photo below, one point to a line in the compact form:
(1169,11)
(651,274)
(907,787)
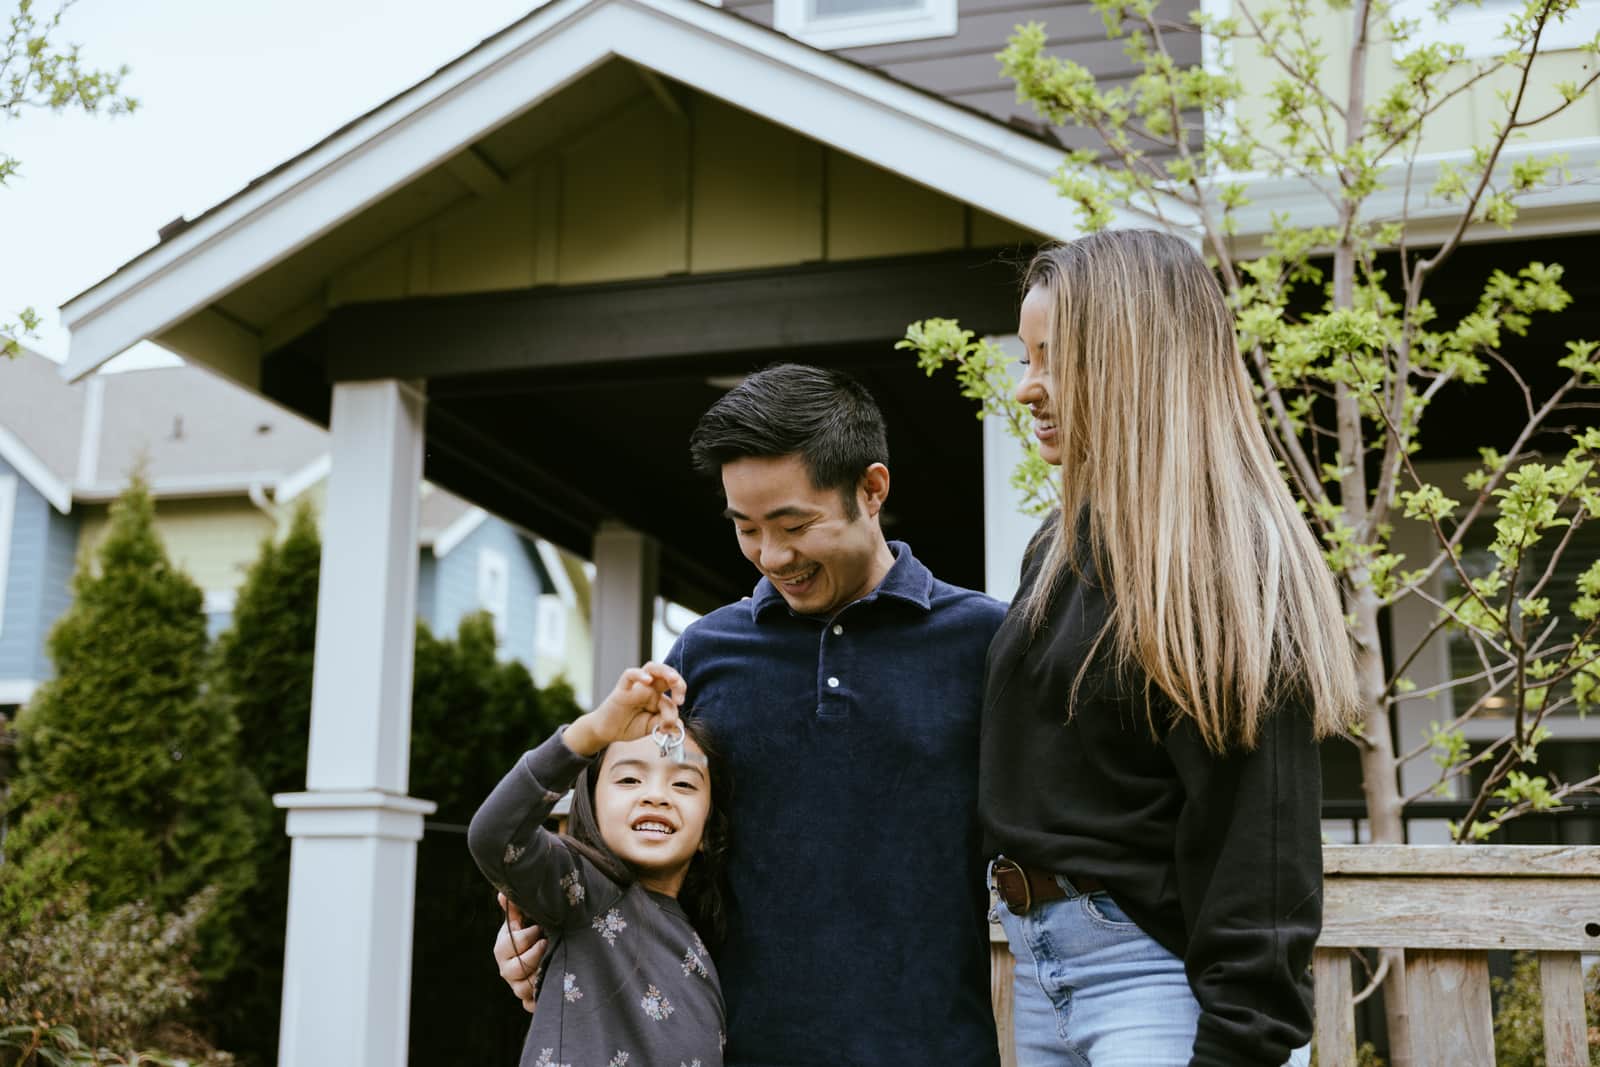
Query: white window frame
(550,627)
(8,518)
(492,566)
(930,18)
(1478,29)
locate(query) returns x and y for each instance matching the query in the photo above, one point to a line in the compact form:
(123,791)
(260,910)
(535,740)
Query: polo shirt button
(837,629)
(833,683)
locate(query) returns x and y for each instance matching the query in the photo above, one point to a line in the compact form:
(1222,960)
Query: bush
(1519,1019)
(75,985)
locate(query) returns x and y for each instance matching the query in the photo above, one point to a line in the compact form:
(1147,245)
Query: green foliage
(77,987)
(37,72)
(1346,351)
(160,804)
(263,671)
(1519,1020)
(981,371)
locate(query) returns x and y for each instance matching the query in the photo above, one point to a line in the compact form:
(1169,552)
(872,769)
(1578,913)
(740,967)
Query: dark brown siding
(963,68)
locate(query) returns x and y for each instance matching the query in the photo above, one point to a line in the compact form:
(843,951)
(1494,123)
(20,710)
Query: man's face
(800,537)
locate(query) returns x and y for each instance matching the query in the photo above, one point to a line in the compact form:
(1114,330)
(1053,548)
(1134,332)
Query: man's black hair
(825,417)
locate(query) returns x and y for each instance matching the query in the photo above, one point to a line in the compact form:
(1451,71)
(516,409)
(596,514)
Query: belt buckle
(1001,863)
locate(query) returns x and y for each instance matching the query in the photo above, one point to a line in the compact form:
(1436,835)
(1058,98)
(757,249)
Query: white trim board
(971,158)
(449,539)
(8,519)
(292,485)
(1308,206)
(550,556)
(34,472)
(913,22)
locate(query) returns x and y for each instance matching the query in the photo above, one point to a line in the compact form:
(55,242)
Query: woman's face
(1037,389)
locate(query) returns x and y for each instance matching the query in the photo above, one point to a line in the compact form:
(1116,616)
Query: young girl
(629,898)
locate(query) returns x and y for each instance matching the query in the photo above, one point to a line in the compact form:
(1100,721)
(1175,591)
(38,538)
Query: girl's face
(652,809)
(1037,389)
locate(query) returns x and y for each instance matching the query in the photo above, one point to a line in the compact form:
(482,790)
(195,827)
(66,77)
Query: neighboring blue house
(226,469)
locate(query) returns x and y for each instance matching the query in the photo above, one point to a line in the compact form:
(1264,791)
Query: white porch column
(352,877)
(626,577)
(1006,530)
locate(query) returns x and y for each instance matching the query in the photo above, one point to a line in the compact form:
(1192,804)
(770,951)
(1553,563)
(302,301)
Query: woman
(1150,785)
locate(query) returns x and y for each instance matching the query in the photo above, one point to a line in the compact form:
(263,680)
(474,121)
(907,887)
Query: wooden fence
(1448,906)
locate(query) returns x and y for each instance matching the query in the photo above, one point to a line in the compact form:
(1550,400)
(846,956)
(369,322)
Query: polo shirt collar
(908,581)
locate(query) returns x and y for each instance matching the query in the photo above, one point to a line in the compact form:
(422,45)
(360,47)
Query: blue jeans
(1093,990)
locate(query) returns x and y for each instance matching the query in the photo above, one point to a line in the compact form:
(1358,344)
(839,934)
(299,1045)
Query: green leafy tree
(161,806)
(263,675)
(37,72)
(1348,352)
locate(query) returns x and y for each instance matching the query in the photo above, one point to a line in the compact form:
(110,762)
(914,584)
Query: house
(227,468)
(527,275)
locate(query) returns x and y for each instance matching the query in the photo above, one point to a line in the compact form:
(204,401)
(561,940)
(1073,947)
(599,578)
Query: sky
(227,90)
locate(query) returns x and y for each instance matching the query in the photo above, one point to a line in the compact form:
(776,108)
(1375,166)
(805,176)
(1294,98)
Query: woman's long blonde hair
(1219,594)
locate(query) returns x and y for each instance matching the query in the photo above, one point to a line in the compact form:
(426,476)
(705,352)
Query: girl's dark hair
(704,896)
(825,417)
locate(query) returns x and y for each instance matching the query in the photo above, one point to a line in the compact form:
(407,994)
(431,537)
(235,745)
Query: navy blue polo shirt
(858,931)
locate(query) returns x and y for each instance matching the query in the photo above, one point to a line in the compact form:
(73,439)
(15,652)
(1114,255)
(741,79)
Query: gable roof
(967,155)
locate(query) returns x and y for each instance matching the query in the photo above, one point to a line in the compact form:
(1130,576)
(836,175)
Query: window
(550,631)
(1477,561)
(494,588)
(8,511)
(848,23)
(1478,27)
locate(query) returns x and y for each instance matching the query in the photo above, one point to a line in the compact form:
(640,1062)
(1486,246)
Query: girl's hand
(644,698)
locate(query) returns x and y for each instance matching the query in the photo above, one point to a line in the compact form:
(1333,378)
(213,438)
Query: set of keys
(670,742)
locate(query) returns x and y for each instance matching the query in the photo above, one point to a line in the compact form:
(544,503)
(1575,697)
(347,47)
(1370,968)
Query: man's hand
(518,954)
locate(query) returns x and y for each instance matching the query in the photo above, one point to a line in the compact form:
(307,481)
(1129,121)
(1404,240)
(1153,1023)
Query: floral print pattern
(547,1059)
(693,964)
(610,925)
(573,889)
(569,988)
(655,1004)
(513,853)
(619,1060)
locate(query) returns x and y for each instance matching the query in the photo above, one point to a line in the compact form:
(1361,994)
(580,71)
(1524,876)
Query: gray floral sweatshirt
(627,981)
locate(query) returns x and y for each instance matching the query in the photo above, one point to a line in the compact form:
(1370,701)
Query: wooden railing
(1448,906)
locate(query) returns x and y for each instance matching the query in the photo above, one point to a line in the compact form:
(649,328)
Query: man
(845,693)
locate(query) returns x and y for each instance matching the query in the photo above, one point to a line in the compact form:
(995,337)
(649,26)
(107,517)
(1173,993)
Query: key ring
(670,744)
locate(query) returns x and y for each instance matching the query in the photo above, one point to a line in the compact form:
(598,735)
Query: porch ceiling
(590,420)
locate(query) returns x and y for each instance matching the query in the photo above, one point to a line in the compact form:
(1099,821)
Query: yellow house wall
(1461,123)
(214,541)
(648,192)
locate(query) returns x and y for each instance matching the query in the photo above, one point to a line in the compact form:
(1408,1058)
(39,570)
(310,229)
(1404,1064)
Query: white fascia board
(34,472)
(449,539)
(299,481)
(921,137)
(550,556)
(1308,205)
(205,485)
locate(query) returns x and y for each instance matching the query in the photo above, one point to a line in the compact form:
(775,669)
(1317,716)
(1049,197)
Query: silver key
(670,743)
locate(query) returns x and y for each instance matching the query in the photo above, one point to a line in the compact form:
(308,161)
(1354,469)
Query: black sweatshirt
(1218,858)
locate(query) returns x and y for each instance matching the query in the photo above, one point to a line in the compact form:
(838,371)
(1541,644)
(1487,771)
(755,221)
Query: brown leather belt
(1022,888)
